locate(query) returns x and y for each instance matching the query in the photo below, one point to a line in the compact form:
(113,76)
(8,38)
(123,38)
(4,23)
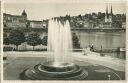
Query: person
(118,52)
(85,51)
(101,48)
(91,48)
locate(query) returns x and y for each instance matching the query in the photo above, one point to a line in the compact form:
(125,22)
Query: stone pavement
(91,57)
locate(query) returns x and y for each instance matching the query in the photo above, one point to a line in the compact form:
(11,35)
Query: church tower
(24,14)
(106,15)
(111,15)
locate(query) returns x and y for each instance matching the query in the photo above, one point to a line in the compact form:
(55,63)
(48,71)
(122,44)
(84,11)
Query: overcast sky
(40,11)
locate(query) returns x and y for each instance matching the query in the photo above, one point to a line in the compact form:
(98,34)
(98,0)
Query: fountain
(59,64)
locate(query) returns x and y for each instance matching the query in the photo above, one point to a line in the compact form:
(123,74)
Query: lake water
(106,40)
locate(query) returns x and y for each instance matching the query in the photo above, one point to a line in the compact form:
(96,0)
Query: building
(21,21)
(124,25)
(35,24)
(15,21)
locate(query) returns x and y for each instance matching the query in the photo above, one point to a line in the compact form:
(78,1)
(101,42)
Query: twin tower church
(108,15)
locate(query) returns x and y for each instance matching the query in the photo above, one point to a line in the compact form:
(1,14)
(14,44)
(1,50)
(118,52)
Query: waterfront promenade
(91,57)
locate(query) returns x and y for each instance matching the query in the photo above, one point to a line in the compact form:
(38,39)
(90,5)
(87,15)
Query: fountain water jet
(59,63)
(59,41)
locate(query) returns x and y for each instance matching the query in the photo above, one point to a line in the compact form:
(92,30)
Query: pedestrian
(85,51)
(118,52)
(92,48)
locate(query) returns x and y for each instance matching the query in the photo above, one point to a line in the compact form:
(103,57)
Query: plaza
(99,68)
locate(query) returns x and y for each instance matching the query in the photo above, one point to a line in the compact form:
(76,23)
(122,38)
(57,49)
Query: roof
(12,15)
(35,21)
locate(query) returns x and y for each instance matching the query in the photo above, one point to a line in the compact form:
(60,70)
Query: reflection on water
(120,55)
(106,40)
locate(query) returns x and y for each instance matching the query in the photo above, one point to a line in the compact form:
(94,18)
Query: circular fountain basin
(54,71)
(57,67)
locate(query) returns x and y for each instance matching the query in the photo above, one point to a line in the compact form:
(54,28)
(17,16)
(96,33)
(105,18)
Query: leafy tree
(16,37)
(80,17)
(75,40)
(44,40)
(6,41)
(33,39)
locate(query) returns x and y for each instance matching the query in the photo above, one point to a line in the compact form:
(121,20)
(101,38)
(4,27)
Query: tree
(33,39)
(80,17)
(44,40)
(76,43)
(6,41)
(16,37)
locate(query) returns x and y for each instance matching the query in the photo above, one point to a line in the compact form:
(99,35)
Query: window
(9,18)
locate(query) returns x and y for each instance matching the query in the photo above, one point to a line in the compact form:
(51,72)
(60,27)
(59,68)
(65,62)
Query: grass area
(96,72)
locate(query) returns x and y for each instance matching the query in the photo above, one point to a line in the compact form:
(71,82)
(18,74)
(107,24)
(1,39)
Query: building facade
(35,24)
(15,21)
(21,21)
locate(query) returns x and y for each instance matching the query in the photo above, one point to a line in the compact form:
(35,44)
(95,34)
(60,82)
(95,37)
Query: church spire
(107,11)
(111,10)
(24,13)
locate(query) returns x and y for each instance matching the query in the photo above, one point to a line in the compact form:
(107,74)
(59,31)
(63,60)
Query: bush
(7,48)
(76,42)
(45,40)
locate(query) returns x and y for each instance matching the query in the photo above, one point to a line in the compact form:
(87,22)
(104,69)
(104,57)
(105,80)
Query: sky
(40,11)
